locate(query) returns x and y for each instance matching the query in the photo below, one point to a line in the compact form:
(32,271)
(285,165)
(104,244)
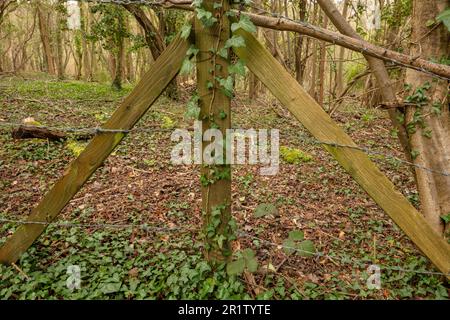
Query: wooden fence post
(215,113)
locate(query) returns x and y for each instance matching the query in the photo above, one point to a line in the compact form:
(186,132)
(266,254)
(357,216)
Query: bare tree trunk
(154,40)
(271,39)
(87,65)
(4,12)
(288,36)
(91,47)
(429,124)
(340,64)
(322,58)
(298,46)
(313,84)
(59,40)
(45,38)
(152,36)
(253,82)
(118,75)
(78,54)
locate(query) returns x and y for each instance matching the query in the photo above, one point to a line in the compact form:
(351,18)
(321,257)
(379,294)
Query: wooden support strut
(152,84)
(287,90)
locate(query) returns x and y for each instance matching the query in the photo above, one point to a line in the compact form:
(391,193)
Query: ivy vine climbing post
(215,89)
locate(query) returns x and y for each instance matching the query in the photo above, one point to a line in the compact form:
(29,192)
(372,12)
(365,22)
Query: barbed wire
(313,141)
(374,153)
(142,226)
(240,233)
(84,130)
(343,260)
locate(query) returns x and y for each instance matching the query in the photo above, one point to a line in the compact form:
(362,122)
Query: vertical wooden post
(215,113)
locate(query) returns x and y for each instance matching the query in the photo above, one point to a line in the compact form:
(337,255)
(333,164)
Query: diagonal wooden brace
(287,90)
(152,84)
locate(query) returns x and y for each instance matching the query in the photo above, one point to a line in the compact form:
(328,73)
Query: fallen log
(30,132)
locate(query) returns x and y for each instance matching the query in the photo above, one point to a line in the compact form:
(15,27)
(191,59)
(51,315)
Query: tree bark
(253,82)
(45,38)
(322,58)
(432,149)
(87,70)
(152,35)
(59,42)
(313,84)
(154,40)
(298,46)
(35,132)
(340,64)
(118,74)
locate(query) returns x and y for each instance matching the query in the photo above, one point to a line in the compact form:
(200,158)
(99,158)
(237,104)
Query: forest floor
(138,185)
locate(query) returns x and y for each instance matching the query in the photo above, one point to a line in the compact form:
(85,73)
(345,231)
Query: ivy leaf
(206,17)
(187,66)
(236,267)
(110,287)
(222,115)
(227,85)
(193,50)
(237,68)
(436,108)
(446,218)
(192,113)
(216,212)
(186,30)
(220,239)
(265,209)
(444,17)
(296,235)
(193,110)
(307,249)
(196,3)
(223,53)
(244,23)
(427,133)
(235,42)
